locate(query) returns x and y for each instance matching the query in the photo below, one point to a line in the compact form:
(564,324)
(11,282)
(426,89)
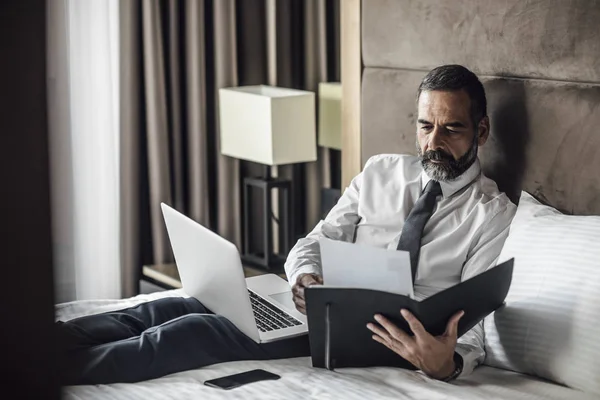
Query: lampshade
(330,115)
(268,125)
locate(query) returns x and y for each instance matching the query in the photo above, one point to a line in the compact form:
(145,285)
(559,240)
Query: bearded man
(439,206)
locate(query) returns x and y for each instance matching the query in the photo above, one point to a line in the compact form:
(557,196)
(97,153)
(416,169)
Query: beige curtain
(175,55)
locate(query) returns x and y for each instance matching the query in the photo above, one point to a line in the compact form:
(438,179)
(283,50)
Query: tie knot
(433,187)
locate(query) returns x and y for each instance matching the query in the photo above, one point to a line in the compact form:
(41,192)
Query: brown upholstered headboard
(540,63)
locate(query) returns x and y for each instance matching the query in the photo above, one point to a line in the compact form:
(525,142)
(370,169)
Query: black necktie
(410,239)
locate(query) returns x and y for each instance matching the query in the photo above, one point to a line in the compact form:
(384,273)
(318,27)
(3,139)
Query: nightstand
(167,277)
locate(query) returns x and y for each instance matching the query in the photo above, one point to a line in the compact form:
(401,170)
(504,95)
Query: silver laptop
(211,271)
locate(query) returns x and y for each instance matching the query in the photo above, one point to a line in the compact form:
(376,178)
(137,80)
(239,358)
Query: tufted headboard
(540,65)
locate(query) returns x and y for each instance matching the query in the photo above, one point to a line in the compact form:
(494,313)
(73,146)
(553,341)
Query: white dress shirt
(463,237)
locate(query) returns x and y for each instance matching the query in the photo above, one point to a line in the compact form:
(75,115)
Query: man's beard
(450,170)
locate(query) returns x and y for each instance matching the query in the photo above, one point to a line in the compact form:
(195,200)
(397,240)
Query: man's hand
(304,281)
(431,354)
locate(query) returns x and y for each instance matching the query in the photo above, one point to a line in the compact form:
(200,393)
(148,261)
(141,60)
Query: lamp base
(329,198)
(267,259)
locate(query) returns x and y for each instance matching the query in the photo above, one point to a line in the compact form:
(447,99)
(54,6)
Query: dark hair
(457,77)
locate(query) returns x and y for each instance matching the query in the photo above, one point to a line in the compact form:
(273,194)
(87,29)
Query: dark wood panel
(29,365)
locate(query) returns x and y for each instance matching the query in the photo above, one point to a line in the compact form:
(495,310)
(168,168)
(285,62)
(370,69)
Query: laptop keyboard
(268,317)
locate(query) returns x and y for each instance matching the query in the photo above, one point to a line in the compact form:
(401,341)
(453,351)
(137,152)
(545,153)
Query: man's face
(447,141)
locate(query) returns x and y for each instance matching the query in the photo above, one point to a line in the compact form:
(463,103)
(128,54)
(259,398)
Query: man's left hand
(433,355)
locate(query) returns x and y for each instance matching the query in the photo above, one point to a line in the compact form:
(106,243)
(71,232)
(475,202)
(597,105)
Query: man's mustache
(437,155)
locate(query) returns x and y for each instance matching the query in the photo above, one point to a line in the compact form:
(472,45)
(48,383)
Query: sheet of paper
(352,265)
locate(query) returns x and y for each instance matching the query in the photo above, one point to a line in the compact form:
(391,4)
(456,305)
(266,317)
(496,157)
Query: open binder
(338,317)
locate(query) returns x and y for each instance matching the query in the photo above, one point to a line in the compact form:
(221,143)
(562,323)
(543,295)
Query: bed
(540,63)
(301,381)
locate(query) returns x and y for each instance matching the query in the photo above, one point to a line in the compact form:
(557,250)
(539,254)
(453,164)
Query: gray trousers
(155,339)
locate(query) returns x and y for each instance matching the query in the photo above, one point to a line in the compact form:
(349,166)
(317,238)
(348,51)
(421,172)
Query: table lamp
(272,126)
(330,136)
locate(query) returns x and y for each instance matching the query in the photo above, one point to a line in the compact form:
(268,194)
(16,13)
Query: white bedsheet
(300,381)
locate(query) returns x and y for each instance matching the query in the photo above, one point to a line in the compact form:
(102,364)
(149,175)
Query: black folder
(338,317)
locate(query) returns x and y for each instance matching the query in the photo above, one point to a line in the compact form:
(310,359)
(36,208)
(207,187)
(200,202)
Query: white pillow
(550,326)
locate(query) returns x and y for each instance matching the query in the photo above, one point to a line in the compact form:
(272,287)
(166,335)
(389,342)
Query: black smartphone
(236,380)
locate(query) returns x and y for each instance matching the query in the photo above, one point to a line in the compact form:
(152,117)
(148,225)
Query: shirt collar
(449,188)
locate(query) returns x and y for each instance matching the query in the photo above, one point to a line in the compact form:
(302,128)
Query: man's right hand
(304,281)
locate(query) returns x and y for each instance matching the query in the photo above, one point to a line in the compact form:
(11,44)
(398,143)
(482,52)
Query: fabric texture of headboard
(540,65)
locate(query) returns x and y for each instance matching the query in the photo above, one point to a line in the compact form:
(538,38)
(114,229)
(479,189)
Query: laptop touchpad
(285,299)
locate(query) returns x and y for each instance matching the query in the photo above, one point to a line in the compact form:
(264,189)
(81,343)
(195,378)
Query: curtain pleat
(159,165)
(174,98)
(228,169)
(197,129)
(315,71)
(129,146)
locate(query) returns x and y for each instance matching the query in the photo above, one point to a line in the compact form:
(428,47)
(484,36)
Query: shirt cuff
(470,358)
(305,269)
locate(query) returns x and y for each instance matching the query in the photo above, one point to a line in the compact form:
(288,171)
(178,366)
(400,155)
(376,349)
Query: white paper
(352,265)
